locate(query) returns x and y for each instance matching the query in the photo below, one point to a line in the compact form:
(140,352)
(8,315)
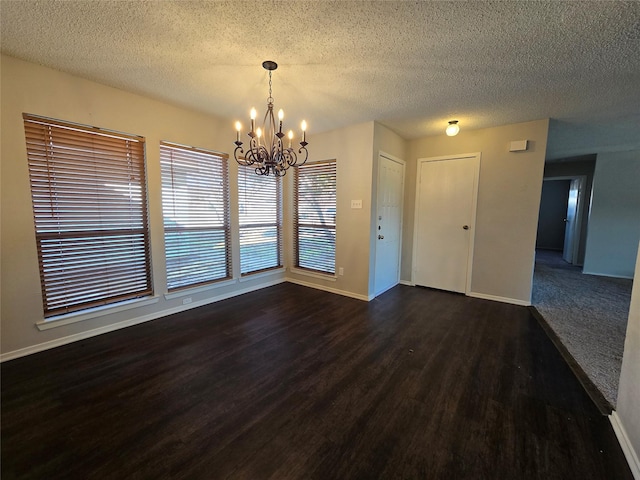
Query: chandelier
(266,151)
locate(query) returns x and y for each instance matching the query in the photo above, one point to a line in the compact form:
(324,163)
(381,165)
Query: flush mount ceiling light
(266,151)
(453,128)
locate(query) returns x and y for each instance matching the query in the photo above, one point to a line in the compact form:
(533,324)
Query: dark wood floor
(294,383)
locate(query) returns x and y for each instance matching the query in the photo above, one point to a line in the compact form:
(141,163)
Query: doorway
(560,221)
(586,315)
(390,195)
(446,197)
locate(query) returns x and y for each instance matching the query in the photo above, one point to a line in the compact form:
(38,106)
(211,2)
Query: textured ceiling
(411,65)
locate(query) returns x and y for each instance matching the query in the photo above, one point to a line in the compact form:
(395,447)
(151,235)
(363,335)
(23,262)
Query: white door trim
(577,226)
(375,232)
(474,205)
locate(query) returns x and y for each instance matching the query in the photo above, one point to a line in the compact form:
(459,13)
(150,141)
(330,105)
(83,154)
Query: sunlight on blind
(195,205)
(315,216)
(90,211)
(260,212)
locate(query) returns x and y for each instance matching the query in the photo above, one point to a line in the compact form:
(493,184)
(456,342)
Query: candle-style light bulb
(238,128)
(304,129)
(290,137)
(280,117)
(253,119)
(259,134)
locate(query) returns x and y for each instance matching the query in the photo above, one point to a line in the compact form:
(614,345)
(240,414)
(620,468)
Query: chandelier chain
(270,99)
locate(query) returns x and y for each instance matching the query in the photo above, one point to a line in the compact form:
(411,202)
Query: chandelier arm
(303,148)
(276,152)
(290,158)
(262,170)
(263,155)
(250,157)
(255,154)
(241,160)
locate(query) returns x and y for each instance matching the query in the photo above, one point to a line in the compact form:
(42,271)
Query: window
(259,204)
(90,208)
(195,206)
(315,216)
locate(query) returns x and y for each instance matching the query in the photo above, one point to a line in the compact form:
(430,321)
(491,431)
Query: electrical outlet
(341,271)
(187,300)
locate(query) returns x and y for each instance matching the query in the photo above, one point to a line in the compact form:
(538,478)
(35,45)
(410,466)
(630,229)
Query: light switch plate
(356,203)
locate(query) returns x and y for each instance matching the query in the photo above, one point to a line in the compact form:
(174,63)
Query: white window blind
(315,216)
(90,209)
(195,206)
(260,212)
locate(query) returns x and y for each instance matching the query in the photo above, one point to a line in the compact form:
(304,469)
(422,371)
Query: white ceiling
(411,65)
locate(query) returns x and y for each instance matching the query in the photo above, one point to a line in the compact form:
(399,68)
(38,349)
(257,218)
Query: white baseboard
(625,444)
(344,293)
(484,296)
(598,274)
(127,323)
(495,298)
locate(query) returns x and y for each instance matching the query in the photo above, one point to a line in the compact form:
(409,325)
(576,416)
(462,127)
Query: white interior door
(445,221)
(389,223)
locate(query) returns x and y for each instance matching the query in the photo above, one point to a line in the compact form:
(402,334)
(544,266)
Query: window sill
(324,276)
(203,288)
(252,276)
(95,312)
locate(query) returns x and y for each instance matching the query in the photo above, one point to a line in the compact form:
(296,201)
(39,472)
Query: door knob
(466,227)
(380,237)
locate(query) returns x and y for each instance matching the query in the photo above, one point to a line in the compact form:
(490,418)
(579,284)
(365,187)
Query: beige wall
(387,141)
(508,202)
(33,89)
(351,147)
(628,403)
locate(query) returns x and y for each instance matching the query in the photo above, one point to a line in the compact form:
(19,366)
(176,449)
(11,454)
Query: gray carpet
(588,313)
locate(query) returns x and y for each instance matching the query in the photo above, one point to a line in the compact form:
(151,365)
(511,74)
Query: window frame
(323,167)
(84,229)
(245,173)
(221,162)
